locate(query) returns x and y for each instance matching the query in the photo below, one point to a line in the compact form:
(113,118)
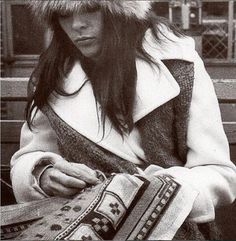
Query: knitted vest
(163,132)
(163,138)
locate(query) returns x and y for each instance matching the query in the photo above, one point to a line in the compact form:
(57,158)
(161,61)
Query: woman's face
(85,31)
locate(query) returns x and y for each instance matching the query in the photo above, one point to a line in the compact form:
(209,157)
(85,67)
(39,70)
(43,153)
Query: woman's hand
(66,179)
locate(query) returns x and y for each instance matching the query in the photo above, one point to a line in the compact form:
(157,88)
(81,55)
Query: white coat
(208,169)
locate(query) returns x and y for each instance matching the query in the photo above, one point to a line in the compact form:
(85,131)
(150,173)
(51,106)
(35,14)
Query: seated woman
(120,91)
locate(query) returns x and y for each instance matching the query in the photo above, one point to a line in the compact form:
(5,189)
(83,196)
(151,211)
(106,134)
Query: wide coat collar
(155,86)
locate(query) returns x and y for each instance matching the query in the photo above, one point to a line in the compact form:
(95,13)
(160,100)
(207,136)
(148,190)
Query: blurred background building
(213,24)
(214,21)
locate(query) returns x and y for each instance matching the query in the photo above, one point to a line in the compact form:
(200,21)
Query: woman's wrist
(44,180)
(39,171)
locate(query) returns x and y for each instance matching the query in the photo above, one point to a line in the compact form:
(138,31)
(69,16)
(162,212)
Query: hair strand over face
(113,76)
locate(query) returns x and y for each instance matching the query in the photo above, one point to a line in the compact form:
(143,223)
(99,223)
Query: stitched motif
(100,224)
(75,224)
(10,231)
(152,219)
(104,211)
(115,208)
(112,208)
(84,232)
(88,237)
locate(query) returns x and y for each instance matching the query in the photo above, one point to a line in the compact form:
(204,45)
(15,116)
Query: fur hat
(45,8)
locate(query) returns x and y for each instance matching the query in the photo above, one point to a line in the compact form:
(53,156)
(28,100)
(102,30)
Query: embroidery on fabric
(75,224)
(12,231)
(104,212)
(108,209)
(167,193)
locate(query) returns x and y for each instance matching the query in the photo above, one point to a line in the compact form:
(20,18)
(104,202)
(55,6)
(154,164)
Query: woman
(120,91)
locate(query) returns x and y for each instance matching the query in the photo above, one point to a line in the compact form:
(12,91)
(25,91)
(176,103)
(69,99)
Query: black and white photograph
(118,120)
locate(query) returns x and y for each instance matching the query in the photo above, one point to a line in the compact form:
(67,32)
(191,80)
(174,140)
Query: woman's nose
(79,22)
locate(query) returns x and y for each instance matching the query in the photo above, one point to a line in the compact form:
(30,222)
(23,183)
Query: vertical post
(3,37)
(200,15)
(185,11)
(170,14)
(230,30)
(7,36)
(235,41)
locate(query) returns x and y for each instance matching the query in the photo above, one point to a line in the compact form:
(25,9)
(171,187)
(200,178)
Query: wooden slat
(16,88)
(230,130)
(10,131)
(228,112)
(8,150)
(30,211)
(13,88)
(226,90)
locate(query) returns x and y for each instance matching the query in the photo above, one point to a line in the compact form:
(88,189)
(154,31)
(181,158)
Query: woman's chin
(90,53)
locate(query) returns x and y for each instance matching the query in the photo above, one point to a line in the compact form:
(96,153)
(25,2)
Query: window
(218,36)
(26,32)
(23,39)
(161,9)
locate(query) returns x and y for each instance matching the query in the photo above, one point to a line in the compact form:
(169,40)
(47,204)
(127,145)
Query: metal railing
(219,36)
(217,43)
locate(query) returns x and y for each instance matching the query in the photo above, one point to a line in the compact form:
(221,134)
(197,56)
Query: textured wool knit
(163,138)
(163,132)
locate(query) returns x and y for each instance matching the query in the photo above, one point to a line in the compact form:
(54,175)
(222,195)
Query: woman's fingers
(56,183)
(78,171)
(67,181)
(62,191)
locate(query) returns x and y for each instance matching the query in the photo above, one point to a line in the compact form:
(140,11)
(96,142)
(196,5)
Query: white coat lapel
(154,88)
(80,112)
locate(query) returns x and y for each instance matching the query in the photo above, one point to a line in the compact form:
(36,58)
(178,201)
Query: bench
(14,90)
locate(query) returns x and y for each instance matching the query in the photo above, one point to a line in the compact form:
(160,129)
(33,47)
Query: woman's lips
(84,41)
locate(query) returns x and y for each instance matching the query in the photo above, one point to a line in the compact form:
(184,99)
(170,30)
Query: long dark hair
(113,76)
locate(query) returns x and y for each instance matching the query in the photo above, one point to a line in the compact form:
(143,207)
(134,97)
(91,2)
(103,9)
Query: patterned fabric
(18,217)
(105,211)
(13,230)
